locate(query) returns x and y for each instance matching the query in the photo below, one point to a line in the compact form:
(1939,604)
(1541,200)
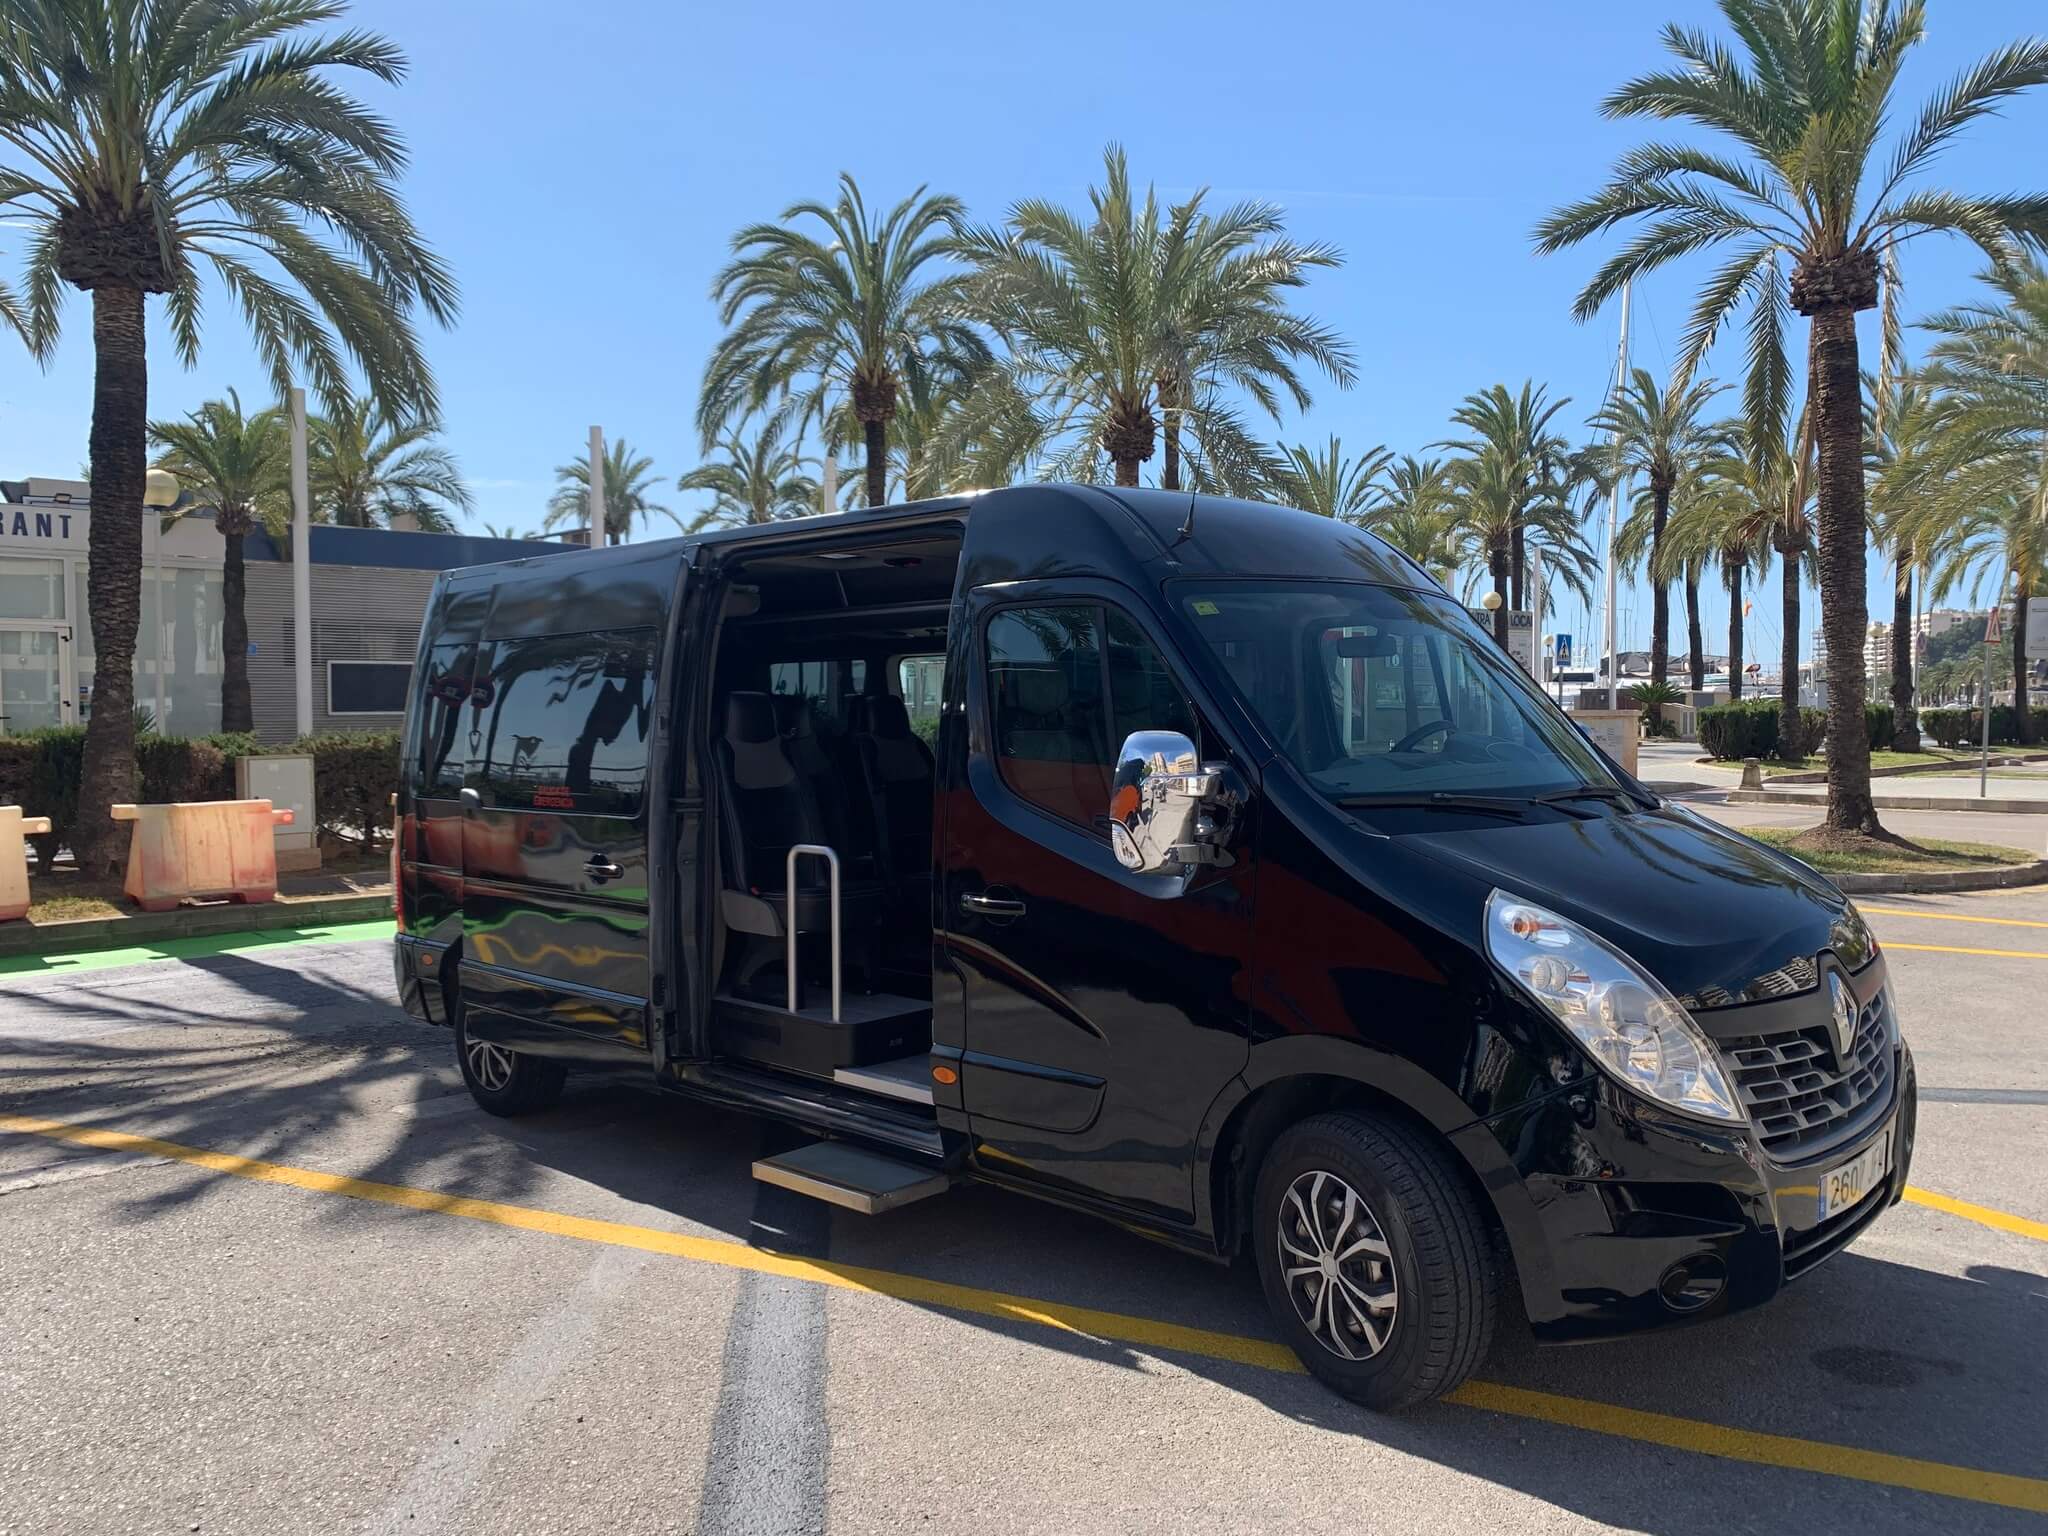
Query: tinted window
(827,684)
(921,681)
(566,720)
(1385,691)
(1066,685)
(440,749)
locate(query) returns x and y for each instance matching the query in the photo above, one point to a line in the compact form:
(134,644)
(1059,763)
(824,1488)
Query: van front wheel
(1376,1260)
(504,1081)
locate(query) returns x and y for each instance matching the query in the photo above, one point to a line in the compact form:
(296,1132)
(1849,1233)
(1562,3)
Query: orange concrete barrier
(15,828)
(201,848)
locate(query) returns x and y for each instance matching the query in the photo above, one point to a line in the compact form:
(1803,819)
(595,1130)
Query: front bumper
(416,966)
(1650,1220)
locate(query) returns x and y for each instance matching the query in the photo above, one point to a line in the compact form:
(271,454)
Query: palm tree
(1985,506)
(1492,499)
(1806,107)
(241,466)
(1326,482)
(1903,425)
(502,531)
(1135,312)
(151,142)
(835,320)
(1418,515)
(1518,428)
(1721,520)
(628,488)
(757,481)
(1662,436)
(364,467)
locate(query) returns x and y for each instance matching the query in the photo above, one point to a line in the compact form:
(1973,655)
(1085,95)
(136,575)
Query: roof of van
(1200,534)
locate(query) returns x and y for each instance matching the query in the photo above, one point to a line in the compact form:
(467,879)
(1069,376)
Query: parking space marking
(1984,1215)
(1950,949)
(1952,917)
(2005,1489)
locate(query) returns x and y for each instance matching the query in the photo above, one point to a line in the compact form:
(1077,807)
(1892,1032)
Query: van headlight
(1636,1030)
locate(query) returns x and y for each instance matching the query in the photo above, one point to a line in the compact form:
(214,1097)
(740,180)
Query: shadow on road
(302,1060)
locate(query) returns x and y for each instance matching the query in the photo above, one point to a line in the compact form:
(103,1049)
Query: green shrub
(1881,723)
(355,774)
(173,768)
(1949,727)
(1731,732)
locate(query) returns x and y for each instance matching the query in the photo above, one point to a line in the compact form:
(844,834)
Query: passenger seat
(766,808)
(897,767)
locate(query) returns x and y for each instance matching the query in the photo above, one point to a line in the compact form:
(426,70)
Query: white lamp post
(159,495)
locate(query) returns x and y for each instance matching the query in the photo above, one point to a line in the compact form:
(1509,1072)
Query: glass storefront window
(182,638)
(31,589)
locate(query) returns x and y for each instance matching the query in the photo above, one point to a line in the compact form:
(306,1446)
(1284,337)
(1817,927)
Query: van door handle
(980,904)
(602,869)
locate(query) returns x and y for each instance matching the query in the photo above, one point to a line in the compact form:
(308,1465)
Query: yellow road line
(1984,1215)
(1950,1481)
(1952,917)
(1951,949)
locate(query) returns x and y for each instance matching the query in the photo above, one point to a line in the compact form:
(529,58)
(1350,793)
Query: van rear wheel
(1375,1258)
(504,1081)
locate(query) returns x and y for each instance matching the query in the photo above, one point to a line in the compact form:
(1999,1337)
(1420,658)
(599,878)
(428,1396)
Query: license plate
(1842,1187)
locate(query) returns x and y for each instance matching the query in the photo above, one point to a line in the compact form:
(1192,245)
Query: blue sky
(583,167)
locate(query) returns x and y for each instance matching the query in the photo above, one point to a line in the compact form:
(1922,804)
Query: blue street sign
(1564,651)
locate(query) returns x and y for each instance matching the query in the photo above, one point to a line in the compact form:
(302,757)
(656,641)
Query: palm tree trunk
(1735,631)
(1126,471)
(1660,595)
(2022,722)
(875,434)
(113,583)
(1169,424)
(1696,655)
(1790,745)
(1518,569)
(1499,562)
(235,712)
(1905,723)
(1844,614)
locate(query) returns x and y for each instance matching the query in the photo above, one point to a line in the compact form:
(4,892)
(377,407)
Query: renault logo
(1843,1006)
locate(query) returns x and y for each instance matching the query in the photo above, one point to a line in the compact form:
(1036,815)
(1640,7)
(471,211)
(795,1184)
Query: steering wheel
(1422,733)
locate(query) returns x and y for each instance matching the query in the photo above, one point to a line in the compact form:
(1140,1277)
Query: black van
(1190,861)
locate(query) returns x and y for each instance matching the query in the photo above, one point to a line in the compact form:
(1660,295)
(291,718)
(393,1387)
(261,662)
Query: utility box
(1614,731)
(286,780)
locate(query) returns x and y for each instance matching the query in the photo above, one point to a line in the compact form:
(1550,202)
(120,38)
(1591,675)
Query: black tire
(506,1082)
(1438,1247)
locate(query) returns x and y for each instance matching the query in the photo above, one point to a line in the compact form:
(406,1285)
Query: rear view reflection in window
(566,722)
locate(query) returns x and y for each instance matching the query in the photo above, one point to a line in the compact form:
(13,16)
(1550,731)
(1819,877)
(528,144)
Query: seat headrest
(887,718)
(749,717)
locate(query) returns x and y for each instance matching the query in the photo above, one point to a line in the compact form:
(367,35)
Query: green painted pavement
(192,948)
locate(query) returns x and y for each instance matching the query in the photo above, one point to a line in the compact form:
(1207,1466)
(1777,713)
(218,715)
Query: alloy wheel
(1337,1267)
(490,1065)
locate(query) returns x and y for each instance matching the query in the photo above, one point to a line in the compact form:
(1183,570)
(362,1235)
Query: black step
(872,1027)
(853,1177)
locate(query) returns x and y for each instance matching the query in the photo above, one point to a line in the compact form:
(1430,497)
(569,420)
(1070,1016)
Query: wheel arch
(1285,1081)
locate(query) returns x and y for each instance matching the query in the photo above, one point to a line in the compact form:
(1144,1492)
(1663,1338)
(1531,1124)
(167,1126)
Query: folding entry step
(907,1077)
(850,1176)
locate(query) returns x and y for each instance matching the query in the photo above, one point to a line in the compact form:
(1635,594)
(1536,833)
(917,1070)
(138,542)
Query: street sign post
(1991,639)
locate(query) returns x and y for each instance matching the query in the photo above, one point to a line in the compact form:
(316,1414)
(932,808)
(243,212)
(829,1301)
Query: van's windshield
(1380,693)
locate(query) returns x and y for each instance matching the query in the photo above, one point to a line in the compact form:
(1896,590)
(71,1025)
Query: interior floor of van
(825,694)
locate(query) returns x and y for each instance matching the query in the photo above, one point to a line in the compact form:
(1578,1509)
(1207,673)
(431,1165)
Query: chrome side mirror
(1160,804)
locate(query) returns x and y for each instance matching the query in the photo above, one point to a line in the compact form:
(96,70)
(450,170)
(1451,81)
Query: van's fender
(1425,1097)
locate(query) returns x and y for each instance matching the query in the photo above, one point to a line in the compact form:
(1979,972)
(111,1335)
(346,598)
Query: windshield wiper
(1441,800)
(1610,792)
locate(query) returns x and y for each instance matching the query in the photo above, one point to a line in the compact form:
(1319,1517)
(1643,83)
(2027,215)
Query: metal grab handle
(991,906)
(789,917)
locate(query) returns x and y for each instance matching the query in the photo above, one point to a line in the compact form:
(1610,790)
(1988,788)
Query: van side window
(921,683)
(439,752)
(1066,684)
(827,684)
(565,722)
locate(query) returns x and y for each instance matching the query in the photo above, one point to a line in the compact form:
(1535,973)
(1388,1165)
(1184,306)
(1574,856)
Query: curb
(187,922)
(1942,880)
(1820,775)
(1896,802)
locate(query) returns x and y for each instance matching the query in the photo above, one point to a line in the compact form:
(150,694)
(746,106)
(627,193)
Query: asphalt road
(411,1317)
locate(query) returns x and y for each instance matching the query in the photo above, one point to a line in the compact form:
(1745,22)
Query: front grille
(1801,1101)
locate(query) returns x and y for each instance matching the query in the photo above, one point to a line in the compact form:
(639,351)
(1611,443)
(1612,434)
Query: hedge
(1730,732)
(1965,727)
(354,775)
